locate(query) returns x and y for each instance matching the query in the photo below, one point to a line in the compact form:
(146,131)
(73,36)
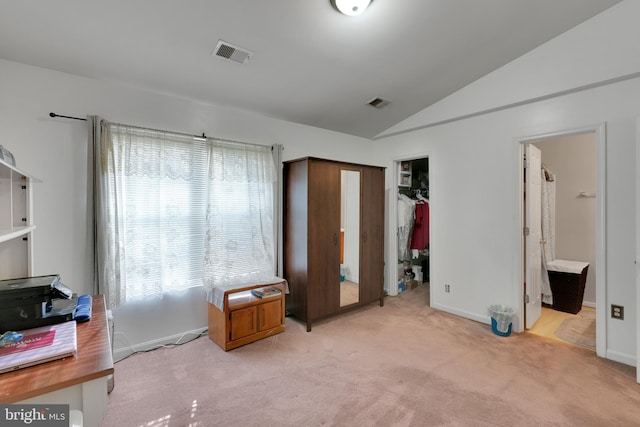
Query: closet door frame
(392,231)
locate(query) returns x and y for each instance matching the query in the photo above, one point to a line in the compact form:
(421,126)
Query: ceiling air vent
(229,51)
(378,102)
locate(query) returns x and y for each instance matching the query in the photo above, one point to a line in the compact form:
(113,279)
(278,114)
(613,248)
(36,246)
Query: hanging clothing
(406,209)
(420,234)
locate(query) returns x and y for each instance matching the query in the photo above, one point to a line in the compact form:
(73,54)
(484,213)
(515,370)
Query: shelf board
(6,235)
(31,177)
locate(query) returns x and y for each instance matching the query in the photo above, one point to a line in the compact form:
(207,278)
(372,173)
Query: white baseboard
(123,352)
(627,359)
(466,314)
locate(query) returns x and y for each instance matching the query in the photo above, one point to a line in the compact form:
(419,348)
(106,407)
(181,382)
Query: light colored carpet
(403,364)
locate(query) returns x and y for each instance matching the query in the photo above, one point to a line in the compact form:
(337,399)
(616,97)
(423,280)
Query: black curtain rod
(204,137)
(54,115)
(67,117)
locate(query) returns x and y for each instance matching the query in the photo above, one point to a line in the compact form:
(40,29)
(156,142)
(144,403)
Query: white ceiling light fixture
(351,7)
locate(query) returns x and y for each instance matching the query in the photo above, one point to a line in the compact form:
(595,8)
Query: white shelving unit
(16,222)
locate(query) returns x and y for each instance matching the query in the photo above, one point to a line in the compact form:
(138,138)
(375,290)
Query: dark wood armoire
(333,236)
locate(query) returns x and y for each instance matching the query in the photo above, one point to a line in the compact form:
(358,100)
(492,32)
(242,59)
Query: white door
(533,236)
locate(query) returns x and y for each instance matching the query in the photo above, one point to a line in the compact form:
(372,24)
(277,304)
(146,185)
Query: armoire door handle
(364,237)
(335,239)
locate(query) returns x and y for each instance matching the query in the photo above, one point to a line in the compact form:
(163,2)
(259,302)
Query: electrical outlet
(617,311)
(447,288)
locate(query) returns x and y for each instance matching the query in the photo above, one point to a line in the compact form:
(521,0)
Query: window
(180,213)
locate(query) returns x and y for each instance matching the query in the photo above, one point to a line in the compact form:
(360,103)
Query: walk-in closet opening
(413,225)
(560,181)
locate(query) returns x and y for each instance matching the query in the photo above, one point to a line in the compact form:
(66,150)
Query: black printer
(30,302)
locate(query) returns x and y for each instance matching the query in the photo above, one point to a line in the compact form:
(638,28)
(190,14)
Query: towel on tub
(564,266)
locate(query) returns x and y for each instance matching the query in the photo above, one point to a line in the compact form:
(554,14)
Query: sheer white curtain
(153,212)
(173,212)
(240,239)
(548,216)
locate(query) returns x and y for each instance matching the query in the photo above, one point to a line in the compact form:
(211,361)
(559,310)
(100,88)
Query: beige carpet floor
(403,364)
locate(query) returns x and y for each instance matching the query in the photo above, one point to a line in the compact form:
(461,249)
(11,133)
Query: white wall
(54,150)
(474,166)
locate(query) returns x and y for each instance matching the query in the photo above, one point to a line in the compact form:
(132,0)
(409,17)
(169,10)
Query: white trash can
(501,320)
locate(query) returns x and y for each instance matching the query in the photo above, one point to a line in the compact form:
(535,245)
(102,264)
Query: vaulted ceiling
(309,63)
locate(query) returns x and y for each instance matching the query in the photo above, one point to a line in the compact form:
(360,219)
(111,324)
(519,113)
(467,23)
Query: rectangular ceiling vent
(378,102)
(229,51)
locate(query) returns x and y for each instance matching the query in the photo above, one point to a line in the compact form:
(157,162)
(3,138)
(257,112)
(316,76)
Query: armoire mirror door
(349,238)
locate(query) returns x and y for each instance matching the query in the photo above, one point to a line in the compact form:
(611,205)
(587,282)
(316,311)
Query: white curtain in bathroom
(548,230)
(549,215)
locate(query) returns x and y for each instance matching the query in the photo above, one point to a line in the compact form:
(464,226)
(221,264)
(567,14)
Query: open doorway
(562,237)
(412,220)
